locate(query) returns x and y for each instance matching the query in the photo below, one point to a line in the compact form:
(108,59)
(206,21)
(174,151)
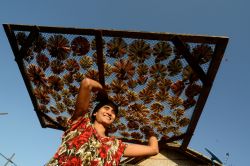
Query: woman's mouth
(107,116)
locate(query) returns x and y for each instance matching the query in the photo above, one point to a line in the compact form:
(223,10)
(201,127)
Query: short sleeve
(79,122)
(122,147)
(120,151)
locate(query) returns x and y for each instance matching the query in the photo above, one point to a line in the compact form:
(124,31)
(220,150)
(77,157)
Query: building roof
(188,153)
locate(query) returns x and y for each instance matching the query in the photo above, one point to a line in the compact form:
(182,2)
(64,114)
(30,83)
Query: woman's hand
(101,95)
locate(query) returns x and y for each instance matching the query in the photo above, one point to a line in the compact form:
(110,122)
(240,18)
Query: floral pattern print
(81,145)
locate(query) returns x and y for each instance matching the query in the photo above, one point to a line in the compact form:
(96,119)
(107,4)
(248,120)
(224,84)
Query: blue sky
(223,125)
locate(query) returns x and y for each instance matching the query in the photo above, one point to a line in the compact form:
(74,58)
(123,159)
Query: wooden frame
(178,41)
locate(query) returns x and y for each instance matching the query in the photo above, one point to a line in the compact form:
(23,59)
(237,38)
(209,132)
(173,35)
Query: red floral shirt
(81,145)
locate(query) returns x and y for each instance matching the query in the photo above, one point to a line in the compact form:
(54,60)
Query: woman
(85,141)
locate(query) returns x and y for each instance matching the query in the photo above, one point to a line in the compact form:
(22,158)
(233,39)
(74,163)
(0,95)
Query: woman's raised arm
(82,102)
(136,150)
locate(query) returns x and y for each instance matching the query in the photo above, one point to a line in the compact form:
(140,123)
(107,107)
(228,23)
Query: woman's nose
(111,112)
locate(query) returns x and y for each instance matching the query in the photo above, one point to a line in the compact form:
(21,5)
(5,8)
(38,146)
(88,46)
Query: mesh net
(150,80)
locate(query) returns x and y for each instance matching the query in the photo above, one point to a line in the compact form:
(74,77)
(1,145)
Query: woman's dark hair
(102,103)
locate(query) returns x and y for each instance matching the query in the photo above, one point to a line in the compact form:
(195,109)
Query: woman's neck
(100,129)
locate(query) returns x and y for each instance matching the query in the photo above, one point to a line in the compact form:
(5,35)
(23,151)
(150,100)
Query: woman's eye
(106,107)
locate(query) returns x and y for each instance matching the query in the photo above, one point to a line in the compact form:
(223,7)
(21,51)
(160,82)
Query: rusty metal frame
(177,39)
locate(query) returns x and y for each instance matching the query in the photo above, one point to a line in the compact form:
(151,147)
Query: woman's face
(105,115)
